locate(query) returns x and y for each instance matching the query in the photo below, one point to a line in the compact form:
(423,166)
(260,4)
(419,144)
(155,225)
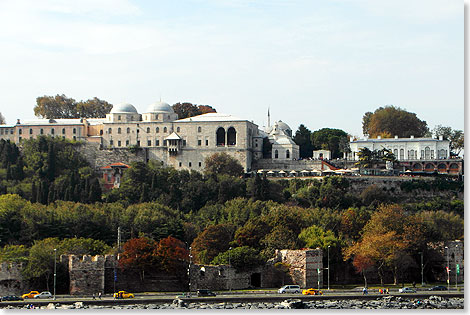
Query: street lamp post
(456,274)
(189,270)
(229,271)
(328,267)
(422,270)
(55,268)
(448,270)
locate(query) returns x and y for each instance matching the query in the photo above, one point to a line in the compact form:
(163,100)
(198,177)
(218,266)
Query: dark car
(204,292)
(11,298)
(438,288)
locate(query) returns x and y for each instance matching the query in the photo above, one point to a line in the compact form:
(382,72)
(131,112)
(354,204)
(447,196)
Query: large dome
(283,126)
(160,107)
(124,108)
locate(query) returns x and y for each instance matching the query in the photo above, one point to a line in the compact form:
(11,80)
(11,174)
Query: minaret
(269,119)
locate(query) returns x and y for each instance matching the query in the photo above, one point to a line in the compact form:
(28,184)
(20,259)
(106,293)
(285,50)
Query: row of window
(427,154)
(51,131)
(148,130)
(6,131)
(190,164)
(149,143)
(30,137)
(276,154)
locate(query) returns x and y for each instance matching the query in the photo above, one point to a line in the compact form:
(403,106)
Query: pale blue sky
(320,63)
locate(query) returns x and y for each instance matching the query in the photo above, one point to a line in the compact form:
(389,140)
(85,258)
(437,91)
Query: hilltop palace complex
(186,143)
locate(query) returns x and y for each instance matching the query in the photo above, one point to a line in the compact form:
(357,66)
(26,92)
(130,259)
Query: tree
(185,110)
(222,163)
(315,237)
(2,119)
(138,254)
(172,255)
(204,109)
(60,106)
(210,242)
(302,138)
(329,139)
(392,121)
(241,258)
(456,137)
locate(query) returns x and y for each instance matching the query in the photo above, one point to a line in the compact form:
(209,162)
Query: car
(43,295)
(438,288)
(123,295)
(312,291)
(204,292)
(11,298)
(407,290)
(289,289)
(30,295)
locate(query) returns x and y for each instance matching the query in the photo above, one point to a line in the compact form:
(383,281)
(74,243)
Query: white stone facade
(404,149)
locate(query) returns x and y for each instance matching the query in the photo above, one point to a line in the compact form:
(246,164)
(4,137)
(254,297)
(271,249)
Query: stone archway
(417,167)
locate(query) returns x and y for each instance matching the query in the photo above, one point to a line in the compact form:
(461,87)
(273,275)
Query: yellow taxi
(30,295)
(123,295)
(312,291)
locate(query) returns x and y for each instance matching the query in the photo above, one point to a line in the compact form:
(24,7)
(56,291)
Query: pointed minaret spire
(269,119)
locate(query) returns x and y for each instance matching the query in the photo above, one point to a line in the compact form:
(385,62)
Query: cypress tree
(9,173)
(19,169)
(264,192)
(51,168)
(95,191)
(34,192)
(144,195)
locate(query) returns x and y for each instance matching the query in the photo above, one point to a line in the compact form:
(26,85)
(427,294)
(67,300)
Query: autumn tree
(60,106)
(212,241)
(303,139)
(138,254)
(392,121)
(171,255)
(222,163)
(456,137)
(329,139)
(185,110)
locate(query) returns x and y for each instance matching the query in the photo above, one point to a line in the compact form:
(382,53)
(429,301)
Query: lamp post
(448,270)
(456,274)
(229,270)
(55,268)
(328,267)
(422,270)
(189,270)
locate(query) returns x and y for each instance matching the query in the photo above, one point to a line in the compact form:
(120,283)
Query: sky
(318,63)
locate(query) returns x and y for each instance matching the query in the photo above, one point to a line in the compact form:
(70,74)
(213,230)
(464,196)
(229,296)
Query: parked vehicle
(123,295)
(11,298)
(30,295)
(289,289)
(312,291)
(204,292)
(406,290)
(438,288)
(43,295)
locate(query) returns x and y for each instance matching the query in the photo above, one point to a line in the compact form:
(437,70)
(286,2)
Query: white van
(289,289)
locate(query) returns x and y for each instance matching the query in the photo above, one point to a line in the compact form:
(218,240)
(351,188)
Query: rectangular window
(19,139)
(184,143)
(432,154)
(41,131)
(207,142)
(164,143)
(74,130)
(30,131)
(111,142)
(157,143)
(189,164)
(52,131)
(180,164)
(199,142)
(20,131)
(119,143)
(149,143)
(138,143)
(11,131)
(200,164)
(127,143)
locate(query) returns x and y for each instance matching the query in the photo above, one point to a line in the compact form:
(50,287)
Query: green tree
(329,139)
(456,137)
(315,237)
(41,260)
(392,121)
(60,106)
(303,139)
(93,108)
(14,254)
(222,163)
(241,258)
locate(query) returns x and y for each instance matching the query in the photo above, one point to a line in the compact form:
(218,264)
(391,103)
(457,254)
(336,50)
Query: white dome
(124,108)
(160,107)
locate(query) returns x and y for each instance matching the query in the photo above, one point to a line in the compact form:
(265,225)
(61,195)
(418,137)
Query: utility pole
(448,269)
(189,270)
(229,271)
(456,269)
(422,270)
(119,241)
(328,267)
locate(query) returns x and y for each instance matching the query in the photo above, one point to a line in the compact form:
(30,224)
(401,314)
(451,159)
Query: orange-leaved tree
(171,254)
(138,254)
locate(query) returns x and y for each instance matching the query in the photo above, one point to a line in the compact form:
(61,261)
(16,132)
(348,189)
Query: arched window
(417,167)
(427,153)
(441,154)
(402,154)
(119,130)
(157,130)
(429,167)
(164,129)
(276,154)
(128,130)
(231,136)
(199,129)
(220,135)
(177,129)
(148,129)
(442,168)
(110,131)
(101,132)
(63,131)
(395,152)
(287,154)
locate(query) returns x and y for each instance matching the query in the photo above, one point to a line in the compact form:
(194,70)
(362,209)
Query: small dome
(283,126)
(124,108)
(160,107)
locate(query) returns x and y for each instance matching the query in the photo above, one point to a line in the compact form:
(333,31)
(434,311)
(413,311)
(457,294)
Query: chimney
(18,121)
(396,137)
(412,137)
